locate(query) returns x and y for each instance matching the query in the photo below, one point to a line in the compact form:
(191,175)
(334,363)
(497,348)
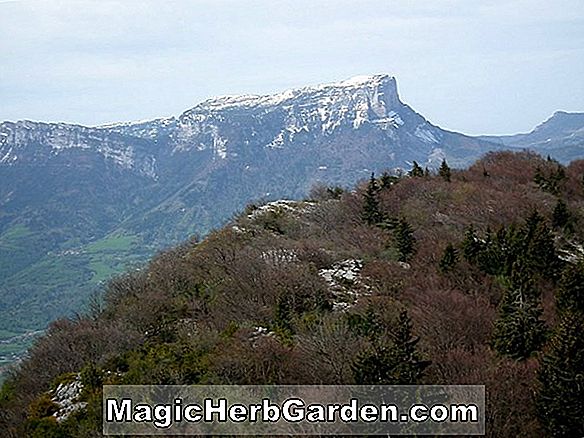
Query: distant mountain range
(78,204)
(561,136)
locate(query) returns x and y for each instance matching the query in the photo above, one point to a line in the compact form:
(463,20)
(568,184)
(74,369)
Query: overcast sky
(484,66)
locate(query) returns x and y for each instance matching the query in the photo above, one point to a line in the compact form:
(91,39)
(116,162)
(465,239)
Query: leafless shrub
(329,349)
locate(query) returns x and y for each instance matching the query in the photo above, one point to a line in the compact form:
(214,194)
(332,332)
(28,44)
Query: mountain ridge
(561,135)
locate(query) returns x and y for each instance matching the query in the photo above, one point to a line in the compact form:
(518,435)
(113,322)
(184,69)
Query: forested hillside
(456,277)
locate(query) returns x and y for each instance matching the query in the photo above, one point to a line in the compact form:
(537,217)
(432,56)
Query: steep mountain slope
(561,136)
(75,201)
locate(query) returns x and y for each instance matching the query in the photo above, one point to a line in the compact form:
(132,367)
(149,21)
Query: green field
(57,284)
(14,235)
(109,256)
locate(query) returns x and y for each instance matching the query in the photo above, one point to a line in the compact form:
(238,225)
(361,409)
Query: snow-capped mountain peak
(380,83)
(301,113)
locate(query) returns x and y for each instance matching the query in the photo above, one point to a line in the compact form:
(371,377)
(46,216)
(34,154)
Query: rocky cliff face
(39,144)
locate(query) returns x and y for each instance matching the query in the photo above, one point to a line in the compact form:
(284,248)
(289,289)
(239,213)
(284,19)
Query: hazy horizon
(477,67)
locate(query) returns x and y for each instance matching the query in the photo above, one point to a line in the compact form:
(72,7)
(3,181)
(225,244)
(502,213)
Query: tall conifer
(371,213)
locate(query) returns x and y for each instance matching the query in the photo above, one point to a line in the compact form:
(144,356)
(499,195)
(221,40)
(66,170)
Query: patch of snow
(3,138)
(254,100)
(391,121)
(149,168)
(163,121)
(425,134)
(396,118)
(7,157)
(332,116)
(294,124)
(436,156)
(246,100)
(219,145)
(277,142)
(122,157)
(361,114)
(360,80)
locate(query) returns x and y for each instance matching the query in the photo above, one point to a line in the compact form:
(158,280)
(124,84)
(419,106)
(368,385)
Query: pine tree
(367,325)
(444,171)
(538,177)
(519,330)
(495,253)
(387,180)
(416,171)
(561,215)
(560,174)
(532,222)
(535,244)
(283,318)
(551,183)
(449,258)
(540,251)
(405,240)
(335,192)
(561,392)
(570,294)
(371,213)
(408,366)
(395,363)
(471,245)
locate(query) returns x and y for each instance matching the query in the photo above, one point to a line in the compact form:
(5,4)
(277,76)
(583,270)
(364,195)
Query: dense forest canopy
(460,277)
